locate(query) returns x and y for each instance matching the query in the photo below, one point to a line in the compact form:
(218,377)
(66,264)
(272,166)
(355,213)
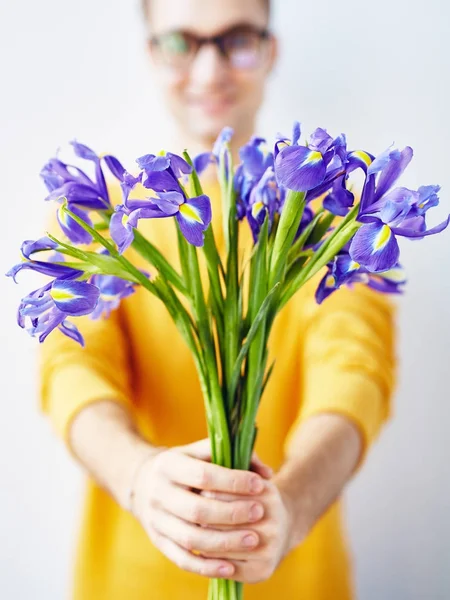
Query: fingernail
(256,512)
(256,485)
(225,571)
(249,541)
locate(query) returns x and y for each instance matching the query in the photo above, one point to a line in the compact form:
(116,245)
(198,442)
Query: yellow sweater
(337,357)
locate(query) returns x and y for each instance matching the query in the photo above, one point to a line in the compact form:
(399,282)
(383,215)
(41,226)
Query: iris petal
(392,171)
(69,329)
(375,247)
(121,233)
(30,246)
(419,234)
(299,169)
(194,218)
(71,228)
(74,297)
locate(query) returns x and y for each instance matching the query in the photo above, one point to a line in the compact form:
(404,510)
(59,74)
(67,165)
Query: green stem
(330,249)
(153,256)
(288,225)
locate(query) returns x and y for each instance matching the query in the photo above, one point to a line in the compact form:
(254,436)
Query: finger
(251,554)
(200,449)
(201,475)
(194,508)
(190,537)
(208,567)
(223,496)
(259,467)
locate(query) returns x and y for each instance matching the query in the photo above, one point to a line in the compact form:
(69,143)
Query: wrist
(298,506)
(136,470)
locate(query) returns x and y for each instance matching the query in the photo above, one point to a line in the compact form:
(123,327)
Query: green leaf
(320,229)
(154,257)
(95,234)
(264,309)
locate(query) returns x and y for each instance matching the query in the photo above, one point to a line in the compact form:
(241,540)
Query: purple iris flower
(221,149)
(282,141)
(255,184)
(47,308)
(345,271)
(340,199)
(223,139)
(265,199)
(126,218)
(387,213)
(161,173)
(202,161)
(311,168)
(82,192)
(29,247)
(193,214)
(127,181)
(112,291)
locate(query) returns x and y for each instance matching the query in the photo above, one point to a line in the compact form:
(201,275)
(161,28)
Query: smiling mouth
(211,105)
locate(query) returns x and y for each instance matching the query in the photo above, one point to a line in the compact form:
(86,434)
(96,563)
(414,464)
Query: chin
(208,127)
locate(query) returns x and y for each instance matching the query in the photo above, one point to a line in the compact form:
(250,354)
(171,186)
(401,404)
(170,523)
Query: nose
(209,68)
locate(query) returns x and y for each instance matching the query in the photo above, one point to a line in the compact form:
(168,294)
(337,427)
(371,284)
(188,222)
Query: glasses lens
(176,49)
(244,48)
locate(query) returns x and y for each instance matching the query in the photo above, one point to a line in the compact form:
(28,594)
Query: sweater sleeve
(347,359)
(71,377)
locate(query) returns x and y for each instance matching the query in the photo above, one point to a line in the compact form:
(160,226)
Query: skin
(210,95)
(190,508)
(200,515)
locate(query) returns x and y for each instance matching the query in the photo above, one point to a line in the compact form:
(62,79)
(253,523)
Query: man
(159,518)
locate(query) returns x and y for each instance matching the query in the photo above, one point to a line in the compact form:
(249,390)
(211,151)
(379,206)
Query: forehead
(205,17)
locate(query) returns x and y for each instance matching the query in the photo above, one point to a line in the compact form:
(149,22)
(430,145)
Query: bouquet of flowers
(226,317)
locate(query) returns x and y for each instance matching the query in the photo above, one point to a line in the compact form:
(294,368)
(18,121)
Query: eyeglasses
(242,46)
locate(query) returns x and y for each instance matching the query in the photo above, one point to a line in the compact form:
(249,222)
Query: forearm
(105,441)
(322,456)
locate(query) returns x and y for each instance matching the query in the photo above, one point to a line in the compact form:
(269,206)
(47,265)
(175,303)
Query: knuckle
(203,478)
(187,542)
(224,544)
(239,512)
(235,513)
(235,483)
(197,514)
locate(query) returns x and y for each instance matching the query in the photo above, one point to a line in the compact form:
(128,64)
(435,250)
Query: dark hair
(145,6)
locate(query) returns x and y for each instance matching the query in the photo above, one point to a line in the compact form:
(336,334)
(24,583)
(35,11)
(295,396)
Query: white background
(378,71)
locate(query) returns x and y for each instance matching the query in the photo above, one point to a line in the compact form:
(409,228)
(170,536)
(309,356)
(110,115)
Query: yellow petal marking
(189,213)
(257,208)
(363,156)
(395,275)
(382,238)
(61,295)
(314,157)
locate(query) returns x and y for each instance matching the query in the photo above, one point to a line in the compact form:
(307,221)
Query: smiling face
(208,86)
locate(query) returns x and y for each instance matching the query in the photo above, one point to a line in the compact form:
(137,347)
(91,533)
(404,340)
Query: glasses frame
(218,41)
